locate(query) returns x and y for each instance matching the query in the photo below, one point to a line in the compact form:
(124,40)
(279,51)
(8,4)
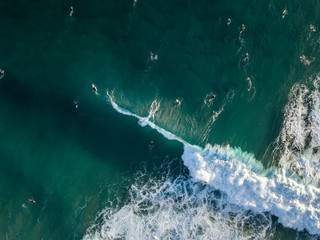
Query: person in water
(312,28)
(76,103)
(94,88)
(243,27)
(151,145)
(228,21)
(31,201)
(71,11)
(1,73)
(178,102)
(284,13)
(151,56)
(249,81)
(245,57)
(215,113)
(304,59)
(212,97)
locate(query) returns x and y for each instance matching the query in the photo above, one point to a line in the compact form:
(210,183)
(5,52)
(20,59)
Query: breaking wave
(230,195)
(178,208)
(298,145)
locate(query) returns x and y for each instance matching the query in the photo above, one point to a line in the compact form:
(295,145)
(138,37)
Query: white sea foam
(178,209)
(298,145)
(247,185)
(238,174)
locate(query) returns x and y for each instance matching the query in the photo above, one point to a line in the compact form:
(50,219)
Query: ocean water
(249,172)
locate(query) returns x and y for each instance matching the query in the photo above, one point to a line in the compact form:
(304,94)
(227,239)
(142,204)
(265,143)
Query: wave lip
(296,205)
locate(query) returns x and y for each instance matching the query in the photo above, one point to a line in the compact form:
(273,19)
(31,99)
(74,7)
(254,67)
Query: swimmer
(71,11)
(1,73)
(284,13)
(178,102)
(215,113)
(140,120)
(245,57)
(151,56)
(212,97)
(243,27)
(228,21)
(249,81)
(75,102)
(94,88)
(31,201)
(304,59)
(312,28)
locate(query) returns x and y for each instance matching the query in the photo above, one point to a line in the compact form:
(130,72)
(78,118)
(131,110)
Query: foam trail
(247,184)
(145,120)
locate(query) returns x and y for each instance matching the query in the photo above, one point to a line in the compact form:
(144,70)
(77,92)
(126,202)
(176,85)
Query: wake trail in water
(209,124)
(243,180)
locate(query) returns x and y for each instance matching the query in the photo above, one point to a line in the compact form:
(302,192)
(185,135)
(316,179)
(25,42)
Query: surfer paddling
(212,97)
(245,57)
(71,11)
(250,83)
(228,21)
(153,56)
(304,59)
(312,28)
(94,89)
(243,27)
(215,114)
(284,13)
(1,73)
(31,200)
(151,145)
(76,103)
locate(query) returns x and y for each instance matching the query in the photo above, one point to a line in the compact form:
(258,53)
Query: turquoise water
(79,163)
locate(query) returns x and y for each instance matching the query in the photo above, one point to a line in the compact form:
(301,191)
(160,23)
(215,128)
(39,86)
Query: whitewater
(245,185)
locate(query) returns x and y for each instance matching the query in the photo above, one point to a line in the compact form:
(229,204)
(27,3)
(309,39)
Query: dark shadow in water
(107,135)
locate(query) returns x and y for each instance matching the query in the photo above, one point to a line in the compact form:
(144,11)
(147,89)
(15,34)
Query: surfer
(75,102)
(249,81)
(151,145)
(71,11)
(31,200)
(94,88)
(212,97)
(178,102)
(215,113)
(243,27)
(245,57)
(312,28)
(228,21)
(304,59)
(151,56)
(284,13)
(1,73)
